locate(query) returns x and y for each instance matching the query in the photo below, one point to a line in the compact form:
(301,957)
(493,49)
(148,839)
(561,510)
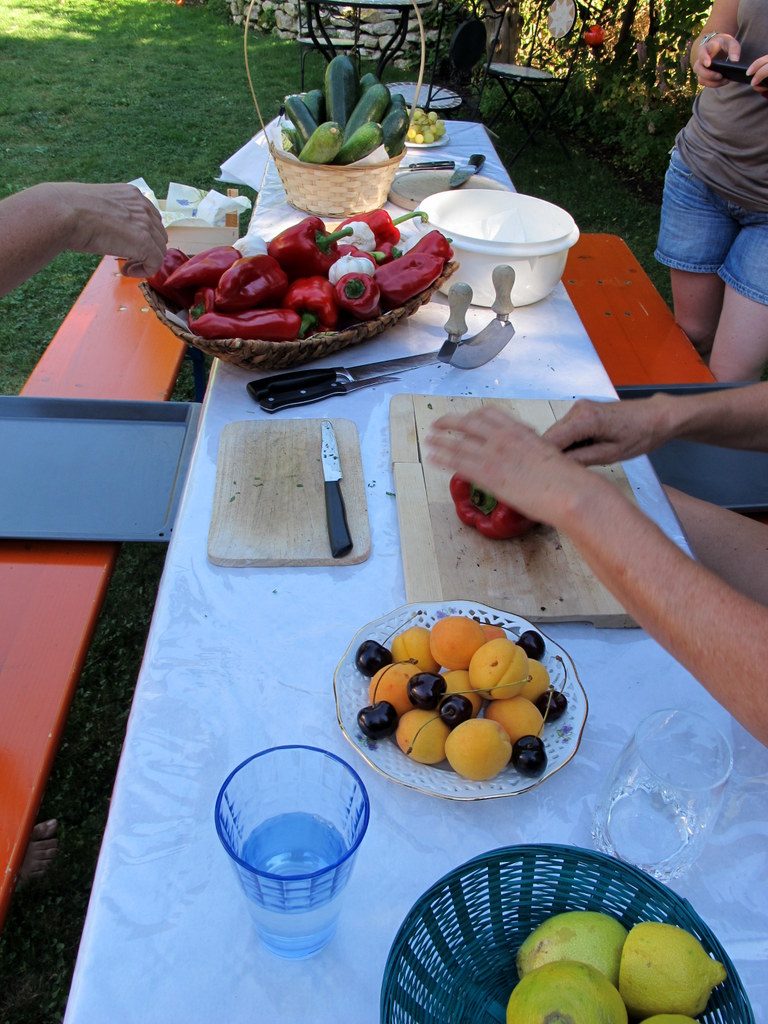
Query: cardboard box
(192,235)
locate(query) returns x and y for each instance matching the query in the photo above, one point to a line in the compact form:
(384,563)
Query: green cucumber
(394,128)
(302,120)
(341,89)
(371,106)
(362,142)
(314,100)
(367,81)
(323,145)
(291,141)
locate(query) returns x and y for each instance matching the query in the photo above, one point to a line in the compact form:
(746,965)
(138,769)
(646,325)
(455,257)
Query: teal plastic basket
(453,959)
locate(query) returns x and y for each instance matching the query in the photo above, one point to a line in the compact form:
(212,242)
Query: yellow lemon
(585,935)
(565,991)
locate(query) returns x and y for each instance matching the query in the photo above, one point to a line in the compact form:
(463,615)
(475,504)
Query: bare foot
(40,851)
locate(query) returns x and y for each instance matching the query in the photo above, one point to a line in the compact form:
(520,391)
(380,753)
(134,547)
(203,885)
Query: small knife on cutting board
(336,514)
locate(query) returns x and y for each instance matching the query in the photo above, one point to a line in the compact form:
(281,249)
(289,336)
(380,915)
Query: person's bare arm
(608,432)
(717,39)
(720,636)
(45,220)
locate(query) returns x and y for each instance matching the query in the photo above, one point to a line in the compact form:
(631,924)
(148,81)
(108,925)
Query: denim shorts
(703,233)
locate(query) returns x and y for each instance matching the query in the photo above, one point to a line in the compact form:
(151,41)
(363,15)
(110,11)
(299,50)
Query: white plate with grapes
(396,702)
(428,145)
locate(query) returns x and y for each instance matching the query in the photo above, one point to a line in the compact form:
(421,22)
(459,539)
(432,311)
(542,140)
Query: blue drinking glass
(291,819)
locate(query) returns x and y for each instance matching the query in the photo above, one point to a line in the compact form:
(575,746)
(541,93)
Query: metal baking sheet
(731,478)
(86,469)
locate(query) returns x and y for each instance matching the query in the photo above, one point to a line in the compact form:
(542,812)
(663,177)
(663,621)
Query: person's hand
(721,45)
(602,433)
(509,460)
(758,70)
(115,220)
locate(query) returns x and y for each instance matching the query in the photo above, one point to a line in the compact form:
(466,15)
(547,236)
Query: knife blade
(335,512)
(291,396)
(291,380)
(462,174)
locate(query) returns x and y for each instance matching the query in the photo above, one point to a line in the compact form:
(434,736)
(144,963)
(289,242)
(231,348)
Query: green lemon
(585,935)
(665,970)
(565,992)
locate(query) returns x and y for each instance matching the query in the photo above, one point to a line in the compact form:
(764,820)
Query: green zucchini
(323,145)
(371,106)
(291,141)
(314,100)
(367,81)
(362,142)
(302,120)
(341,89)
(394,128)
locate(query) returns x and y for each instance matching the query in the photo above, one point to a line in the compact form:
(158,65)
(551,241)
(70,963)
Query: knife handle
(289,380)
(336,515)
(273,401)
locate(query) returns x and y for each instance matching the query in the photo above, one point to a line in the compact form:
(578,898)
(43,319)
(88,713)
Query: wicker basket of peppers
(306,293)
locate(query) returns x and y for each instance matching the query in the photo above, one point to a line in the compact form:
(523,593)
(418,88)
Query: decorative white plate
(428,145)
(561,737)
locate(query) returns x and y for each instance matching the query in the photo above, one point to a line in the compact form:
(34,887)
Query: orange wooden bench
(112,346)
(630,324)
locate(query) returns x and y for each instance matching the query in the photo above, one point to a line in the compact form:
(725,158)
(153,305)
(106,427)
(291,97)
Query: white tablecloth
(242,659)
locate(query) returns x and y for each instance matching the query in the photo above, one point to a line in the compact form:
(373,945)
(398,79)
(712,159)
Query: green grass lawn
(101,90)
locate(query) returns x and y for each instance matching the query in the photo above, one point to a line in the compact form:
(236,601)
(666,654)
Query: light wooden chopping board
(269,497)
(540,576)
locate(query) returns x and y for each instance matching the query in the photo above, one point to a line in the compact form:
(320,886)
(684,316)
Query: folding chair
(319,41)
(551,39)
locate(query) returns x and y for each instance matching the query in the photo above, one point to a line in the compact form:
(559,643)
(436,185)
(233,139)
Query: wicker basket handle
(422,61)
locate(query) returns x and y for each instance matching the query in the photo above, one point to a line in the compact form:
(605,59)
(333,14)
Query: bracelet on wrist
(707,37)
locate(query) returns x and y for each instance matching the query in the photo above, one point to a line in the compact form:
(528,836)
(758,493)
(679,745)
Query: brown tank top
(725,143)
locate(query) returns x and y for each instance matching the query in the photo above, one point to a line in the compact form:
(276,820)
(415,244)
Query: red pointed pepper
(359,295)
(405,277)
(384,228)
(314,298)
(306,248)
(251,281)
(172,260)
(488,516)
(204,268)
(435,243)
(261,324)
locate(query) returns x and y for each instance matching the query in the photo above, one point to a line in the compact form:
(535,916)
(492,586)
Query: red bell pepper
(251,281)
(488,516)
(383,226)
(306,248)
(359,295)
(405,277)
(172,260)
(435,243)
(262,324)
(314,299)
(204,268)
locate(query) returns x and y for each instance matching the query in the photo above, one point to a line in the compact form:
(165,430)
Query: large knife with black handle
(336,514)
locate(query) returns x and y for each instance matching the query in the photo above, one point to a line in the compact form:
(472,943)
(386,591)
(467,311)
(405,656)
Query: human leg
(698,300)
(731,545)
(40,851)
(740,350)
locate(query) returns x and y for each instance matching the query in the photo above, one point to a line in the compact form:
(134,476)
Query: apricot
(492,632)
(517,716)
(478,749)
(539,681)
(421,735)
(454,639)
(499,669)
(391,684)
(457,681)
(413,644)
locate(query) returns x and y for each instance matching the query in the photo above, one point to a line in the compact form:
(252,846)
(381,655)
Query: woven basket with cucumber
(330,134)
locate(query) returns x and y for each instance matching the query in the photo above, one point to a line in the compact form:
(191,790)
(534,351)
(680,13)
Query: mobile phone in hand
(734,70)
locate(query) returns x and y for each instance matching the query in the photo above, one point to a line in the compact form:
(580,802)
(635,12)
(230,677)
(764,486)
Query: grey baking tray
(728,477)
(86,469)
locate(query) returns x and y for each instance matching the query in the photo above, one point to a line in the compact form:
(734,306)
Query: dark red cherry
(532,643)
(455,709)
(371,656)
(377,720)
(529,755)
(551,704)
(425,690)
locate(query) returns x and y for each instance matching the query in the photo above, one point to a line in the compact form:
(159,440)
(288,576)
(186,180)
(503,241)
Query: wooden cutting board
(410,188)
(269,498)
(541,576)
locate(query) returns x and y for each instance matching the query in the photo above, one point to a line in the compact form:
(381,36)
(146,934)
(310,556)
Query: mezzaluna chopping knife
(336,514)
